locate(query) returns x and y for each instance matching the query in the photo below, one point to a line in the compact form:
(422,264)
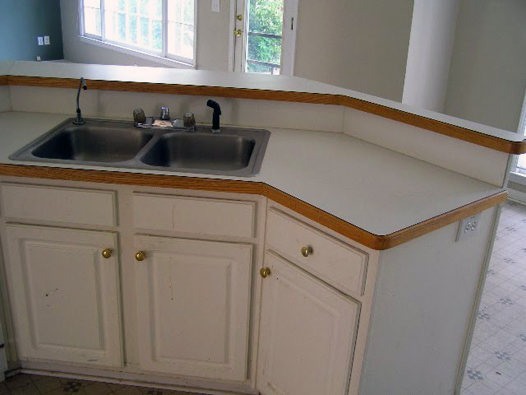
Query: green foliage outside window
(266,16)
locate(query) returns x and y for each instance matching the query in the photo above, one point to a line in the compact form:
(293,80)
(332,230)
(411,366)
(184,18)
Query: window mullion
(165,28)
(127,22)
(82,18)
(102,20)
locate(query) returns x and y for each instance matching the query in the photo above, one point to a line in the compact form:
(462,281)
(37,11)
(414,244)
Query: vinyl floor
(25,384)
(497,359)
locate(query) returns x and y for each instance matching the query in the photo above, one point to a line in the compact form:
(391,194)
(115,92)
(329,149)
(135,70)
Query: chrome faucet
(79,120)
(215,118)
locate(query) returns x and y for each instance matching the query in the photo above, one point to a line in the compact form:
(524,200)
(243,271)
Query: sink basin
(93,144)
(214,152)
(118,144)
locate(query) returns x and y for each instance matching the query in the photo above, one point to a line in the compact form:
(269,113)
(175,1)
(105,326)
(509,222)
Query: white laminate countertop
(160,75)
(373,188)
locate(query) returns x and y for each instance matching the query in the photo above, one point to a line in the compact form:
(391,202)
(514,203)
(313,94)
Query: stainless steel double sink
(234,151)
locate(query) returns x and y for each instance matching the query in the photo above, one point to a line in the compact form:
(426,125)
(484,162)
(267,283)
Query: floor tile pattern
(497,359)
(24,384)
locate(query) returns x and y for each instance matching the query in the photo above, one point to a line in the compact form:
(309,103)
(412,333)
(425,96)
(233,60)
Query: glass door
(265,35)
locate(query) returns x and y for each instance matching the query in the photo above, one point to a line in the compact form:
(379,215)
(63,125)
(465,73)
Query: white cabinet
(187,301)
(192,215)
(64,294)
(327,258)
(193,301)
(307,333)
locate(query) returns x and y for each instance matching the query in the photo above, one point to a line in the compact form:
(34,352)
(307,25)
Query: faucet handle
(189,120)
(139,116)
(165,113)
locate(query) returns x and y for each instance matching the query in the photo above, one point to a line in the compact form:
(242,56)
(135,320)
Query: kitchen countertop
(242,81)
(373,188)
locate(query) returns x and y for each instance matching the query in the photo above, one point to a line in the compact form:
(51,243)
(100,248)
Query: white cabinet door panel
(58,204)
(65,295)
(201,216)
(307,334)
(193,301)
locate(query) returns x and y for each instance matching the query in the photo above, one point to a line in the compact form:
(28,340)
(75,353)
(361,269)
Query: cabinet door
(64,294)
(193,300)
(307,334)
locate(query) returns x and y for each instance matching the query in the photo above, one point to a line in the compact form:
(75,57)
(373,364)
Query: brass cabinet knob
(264,272)
(238,32)
(107,253)
(306,251)
(239,17)
(140,256)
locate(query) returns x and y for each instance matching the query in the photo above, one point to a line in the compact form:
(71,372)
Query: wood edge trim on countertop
(432,224)
(373,241)
(447,129)
(4,80)
(468,135)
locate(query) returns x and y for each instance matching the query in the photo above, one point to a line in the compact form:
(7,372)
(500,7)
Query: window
(163,28)
(269,36)
(518,171)
(265,29)
(521,165)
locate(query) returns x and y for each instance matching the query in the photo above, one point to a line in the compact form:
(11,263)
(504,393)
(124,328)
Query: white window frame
(515,176)
(239,46)
(162,57)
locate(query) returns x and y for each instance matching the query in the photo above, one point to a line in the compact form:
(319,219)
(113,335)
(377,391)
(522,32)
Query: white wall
(356,44)
(212,39)
(488,68)
(430,50)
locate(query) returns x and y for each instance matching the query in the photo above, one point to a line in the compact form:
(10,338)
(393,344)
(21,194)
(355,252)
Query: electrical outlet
(38,59)
(468,227)
(216,6)
(46,40)
(40,40)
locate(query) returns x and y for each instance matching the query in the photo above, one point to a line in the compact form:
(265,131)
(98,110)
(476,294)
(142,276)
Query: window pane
(144,36)
(135,22)
(132,6)
(521,164)
(132,29)
(157,35)
(266,16)
(144,7)
(264,49)
(265,30)
(92,17)
(139,23)
(156,9)
(121,18)
(111,5)
(181,37)
(254,67)
(188,10)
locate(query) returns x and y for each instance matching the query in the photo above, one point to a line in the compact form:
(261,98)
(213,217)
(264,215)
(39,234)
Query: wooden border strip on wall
(433,125)
(376,242)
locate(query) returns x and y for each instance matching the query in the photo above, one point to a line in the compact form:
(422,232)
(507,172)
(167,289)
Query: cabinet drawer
(56,204)
(204,216)
(335,262)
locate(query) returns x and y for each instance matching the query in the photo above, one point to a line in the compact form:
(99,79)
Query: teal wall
(21,21)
